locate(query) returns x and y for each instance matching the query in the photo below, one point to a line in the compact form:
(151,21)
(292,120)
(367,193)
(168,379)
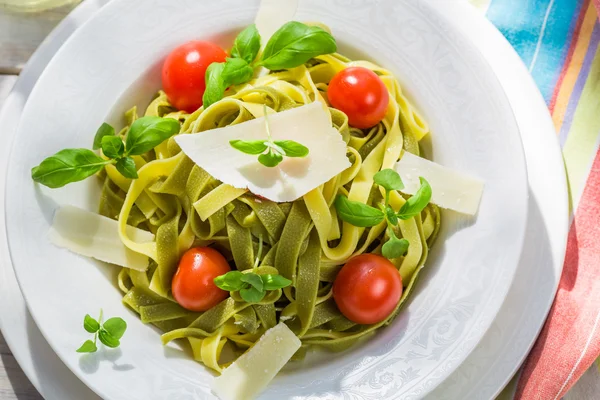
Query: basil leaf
(270,159)
(66,166)
(274,282)
(249,146)
(294,44)
(391,215)
(104,130)
(126,166)
(394,247)
(215,86)
(90,324)
(252,295)
(235,72)
(388,179)
(415,204)
(116,327)
(254,280)
(231,281)
(107,339)
(292,149)
(148,132)
(88,347)
(356,213)
(112,146)
(247,44)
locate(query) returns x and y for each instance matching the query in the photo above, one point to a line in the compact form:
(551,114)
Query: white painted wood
(21,34)
(14,385)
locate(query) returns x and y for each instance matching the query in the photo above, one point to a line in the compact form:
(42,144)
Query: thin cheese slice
(93,235)
(450,189)
(271,15)
(251,373)
(309,125)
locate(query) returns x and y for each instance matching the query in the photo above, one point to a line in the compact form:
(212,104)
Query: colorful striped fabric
(559,40)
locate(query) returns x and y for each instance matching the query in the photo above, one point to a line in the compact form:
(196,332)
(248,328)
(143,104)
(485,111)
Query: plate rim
(17,338)
(468,19)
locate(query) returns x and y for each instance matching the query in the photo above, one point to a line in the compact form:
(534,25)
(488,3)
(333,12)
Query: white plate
(477,378)
(508,341)
(48,289)
(42,366)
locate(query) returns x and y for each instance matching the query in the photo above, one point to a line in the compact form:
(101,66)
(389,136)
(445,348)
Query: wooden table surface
(20,35)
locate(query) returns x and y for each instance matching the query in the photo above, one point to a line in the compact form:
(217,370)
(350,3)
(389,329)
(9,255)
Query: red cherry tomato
(367,289)
(193,287)
(360,94)
(184,71)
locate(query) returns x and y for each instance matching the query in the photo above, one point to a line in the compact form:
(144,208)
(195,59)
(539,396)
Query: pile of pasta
(303,240)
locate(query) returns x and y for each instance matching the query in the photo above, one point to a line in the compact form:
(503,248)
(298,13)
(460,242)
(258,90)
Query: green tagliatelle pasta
(303,241)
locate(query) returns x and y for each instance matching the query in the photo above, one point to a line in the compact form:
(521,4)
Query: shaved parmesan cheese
(272,14)
(309,125)
(252,372)
(93,235)
(450,189)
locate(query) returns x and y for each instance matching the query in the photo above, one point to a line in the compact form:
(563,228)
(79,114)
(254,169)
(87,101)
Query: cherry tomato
(184,71)
(193,287)
(360,94)
(367,289)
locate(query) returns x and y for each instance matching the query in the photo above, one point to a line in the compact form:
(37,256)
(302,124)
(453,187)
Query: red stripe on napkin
(570,340)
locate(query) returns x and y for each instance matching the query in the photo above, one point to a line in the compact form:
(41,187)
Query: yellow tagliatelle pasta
(304,241)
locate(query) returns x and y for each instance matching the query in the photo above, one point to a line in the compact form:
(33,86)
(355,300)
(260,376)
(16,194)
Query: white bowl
(467,275)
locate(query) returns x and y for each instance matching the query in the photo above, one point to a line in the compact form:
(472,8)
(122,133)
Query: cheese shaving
(253,371)
(309,125)
(451,189)
(93,235)
(272,14)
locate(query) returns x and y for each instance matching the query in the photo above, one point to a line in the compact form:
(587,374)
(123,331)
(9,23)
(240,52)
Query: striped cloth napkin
(559,41)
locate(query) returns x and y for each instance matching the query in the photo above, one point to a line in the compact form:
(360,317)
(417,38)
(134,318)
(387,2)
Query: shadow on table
(518,310)
(43,356)
(22,388)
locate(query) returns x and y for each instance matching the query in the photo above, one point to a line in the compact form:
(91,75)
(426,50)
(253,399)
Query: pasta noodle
(303,241)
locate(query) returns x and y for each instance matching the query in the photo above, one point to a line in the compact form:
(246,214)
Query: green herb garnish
(148,132)
(215,85)
(110,332)
(66,166)
(271,151)
(252,287)
(236,71)
(415,204)
(291,46)
(362,215)
(104,130)
(294,44)
(73,165)
(247,44)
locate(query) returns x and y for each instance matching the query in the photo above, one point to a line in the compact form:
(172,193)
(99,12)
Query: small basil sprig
(362,215)
(66,166)
(110,332)
(294,44)
(252,287)
(73,165)
(215,85)
(247,44)
(271,152)
(148,132)
(291,46)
